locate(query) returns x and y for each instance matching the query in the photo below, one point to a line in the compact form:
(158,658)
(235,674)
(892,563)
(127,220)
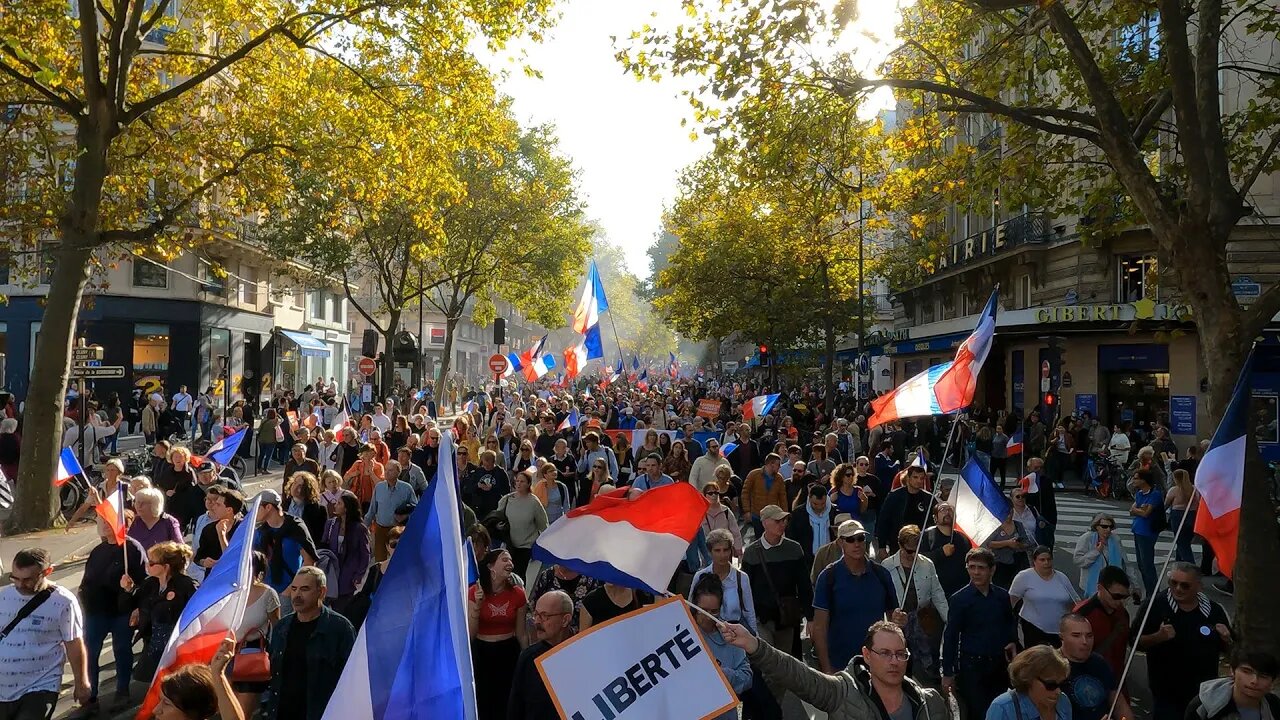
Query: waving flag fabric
(222,451)
(1220,476)
(412,656)
(635,543)
(111,510)
(980,506)
(533,361)
(68,467)
(635,362)
(944,388)
(759,406)
(575,359)
(1014,447)
(570,421)
(216,609)
(586,317)
(673,366)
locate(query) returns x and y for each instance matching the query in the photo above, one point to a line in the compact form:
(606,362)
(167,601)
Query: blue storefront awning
(308,345)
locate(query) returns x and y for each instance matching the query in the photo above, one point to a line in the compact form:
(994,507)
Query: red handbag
(251,663)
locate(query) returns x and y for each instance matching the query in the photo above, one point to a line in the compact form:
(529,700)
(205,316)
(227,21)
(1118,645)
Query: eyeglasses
(711,493)
(1051,684)
(898,655)
(859,538)
(539,615)
(908,551)
(1106,527)
(1180,584)
(1119,596)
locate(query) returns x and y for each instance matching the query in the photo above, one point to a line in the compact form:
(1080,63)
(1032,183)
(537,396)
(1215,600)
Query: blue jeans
(1182,541)
(96,629)
(1146,545)
(265,452)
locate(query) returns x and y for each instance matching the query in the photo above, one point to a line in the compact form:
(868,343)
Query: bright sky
(623,134)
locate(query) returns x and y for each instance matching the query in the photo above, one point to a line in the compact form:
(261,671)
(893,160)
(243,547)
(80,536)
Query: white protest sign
(650,663)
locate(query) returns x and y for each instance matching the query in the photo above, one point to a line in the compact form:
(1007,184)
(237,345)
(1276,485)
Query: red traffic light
(764,349)
(1050,399)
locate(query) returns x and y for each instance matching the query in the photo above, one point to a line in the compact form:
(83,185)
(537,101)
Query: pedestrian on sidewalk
(106,612)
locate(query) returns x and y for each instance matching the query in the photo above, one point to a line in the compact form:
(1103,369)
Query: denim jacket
(327,651)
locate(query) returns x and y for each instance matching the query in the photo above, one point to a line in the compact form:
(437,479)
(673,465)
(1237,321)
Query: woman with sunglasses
(158,602)
(1046,596)
(1037,674)
(1098,548)
(846,495)
(491,443)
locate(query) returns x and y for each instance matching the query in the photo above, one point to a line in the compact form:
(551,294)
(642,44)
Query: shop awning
(308,345)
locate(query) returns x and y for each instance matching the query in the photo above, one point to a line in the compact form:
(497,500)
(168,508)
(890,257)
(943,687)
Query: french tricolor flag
(225,449)
(759,406)
(68,467)
(111,510)
(1014,447)
(980,506)
(513,365)
(635,543)
(570,421)
(944,388)
(214,611)
(533,362)
(1220,476)
(575,359)
(586,317)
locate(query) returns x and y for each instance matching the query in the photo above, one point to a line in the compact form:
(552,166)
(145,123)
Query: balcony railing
(1028,229)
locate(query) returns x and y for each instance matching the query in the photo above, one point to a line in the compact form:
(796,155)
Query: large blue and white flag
(412,658)
(979,505)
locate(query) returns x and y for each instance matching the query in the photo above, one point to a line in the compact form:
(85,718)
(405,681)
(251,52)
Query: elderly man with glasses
(1184,636)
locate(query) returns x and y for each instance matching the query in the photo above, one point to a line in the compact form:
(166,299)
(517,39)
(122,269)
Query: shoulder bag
(252,662)
(790,612)
(32,605)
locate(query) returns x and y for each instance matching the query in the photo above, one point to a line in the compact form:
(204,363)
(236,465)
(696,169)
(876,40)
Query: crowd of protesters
(829,554)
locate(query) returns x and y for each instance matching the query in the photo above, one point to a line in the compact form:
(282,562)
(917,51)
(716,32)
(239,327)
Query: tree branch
(150,230)
(68,105)
(1155,109)
(1258,167)
(351,296)
(199,78)
(847,88)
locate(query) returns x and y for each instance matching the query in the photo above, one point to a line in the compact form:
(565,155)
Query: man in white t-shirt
(34,648)
(380,419)
(182,406)
(1119,446)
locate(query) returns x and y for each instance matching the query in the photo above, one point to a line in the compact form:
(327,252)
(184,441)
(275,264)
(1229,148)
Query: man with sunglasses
(850,595)
(703,471)
(1184,636)
(1107,615)
(874,684)
(43,627)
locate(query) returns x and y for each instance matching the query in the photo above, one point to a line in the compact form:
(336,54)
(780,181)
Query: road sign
(864,363)
(1245,289)
(367,366)
(85,354)
(497,364)
(100,371)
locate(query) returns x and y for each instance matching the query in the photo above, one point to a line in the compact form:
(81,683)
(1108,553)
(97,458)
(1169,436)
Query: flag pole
(937,488)
(1150,601)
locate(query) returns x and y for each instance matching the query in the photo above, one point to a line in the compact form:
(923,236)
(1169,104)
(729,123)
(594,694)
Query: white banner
(651,663)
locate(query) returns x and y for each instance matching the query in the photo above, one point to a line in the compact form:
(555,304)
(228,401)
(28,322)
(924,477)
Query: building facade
(178,322)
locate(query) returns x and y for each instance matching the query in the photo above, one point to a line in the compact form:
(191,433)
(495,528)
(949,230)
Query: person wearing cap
(849,595)
(810,523)
(282,538)
(779,581)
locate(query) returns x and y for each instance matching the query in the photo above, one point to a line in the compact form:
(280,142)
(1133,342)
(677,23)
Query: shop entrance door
(1140,398)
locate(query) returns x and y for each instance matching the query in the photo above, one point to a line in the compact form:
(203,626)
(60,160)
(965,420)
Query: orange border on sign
(660,603)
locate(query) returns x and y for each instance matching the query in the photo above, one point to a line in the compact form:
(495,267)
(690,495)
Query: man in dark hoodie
(873,685)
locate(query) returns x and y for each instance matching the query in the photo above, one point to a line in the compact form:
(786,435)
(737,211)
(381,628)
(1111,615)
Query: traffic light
(764,355)
(1051,401)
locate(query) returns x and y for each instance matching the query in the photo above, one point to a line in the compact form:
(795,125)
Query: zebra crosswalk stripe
(1075,514)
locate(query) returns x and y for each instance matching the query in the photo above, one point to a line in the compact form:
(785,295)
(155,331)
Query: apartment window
(1023,301)
(316,301)
(1141,40)
(5,259)
(276,292)
(248,289)
(147,274)
(1137,278)
(964,304)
